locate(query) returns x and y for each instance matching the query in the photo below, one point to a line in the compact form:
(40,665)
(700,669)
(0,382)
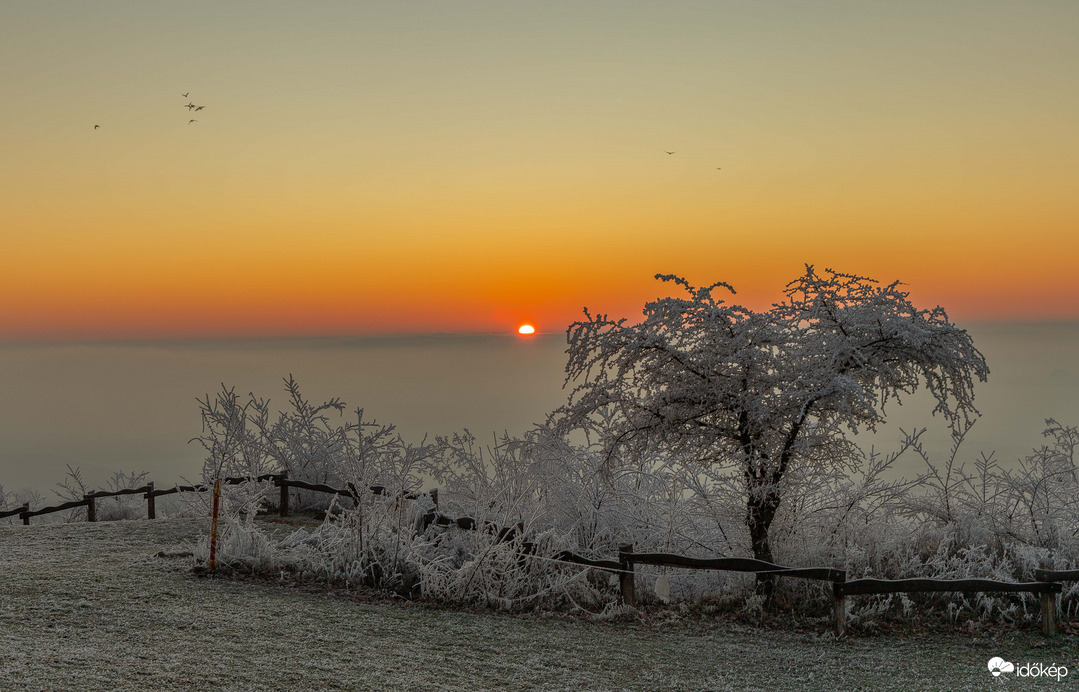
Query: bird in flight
(192,121)
(96,126)
(672,152)
(185,95)
(199,108)
(189,106)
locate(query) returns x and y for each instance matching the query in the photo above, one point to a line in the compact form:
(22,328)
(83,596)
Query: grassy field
(93,607)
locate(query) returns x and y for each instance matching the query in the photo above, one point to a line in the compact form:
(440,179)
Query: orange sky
(410,167)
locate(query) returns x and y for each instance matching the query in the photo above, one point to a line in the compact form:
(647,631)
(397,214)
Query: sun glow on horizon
(526,330)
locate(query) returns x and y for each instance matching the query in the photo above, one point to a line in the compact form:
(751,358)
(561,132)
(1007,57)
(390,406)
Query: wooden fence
(150,493)
(1047,584)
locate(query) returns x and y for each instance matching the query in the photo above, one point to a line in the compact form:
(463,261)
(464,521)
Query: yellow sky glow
(389,167)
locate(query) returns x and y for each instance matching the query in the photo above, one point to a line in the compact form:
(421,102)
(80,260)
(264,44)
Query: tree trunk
(761,506)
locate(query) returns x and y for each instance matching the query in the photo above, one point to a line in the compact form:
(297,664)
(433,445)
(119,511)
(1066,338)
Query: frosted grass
(93,607)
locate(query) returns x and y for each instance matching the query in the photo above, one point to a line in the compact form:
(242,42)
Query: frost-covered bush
(244,439)
(1032,508)
(7,501)
(1042,496)
(562,494)
(26,496)
(13,499)
(381,548)
(989,522)
(73,488)
(235,446)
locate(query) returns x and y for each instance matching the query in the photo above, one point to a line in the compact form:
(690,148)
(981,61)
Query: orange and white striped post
(213,523)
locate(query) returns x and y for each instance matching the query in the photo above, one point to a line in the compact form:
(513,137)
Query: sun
(526,330)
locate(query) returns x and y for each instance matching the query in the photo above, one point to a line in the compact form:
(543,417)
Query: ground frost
(93,607)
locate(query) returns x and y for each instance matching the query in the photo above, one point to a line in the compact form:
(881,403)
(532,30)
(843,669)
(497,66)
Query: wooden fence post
(839,601)
(282,503)
(1049,601)
(24,515)
(626,576)
(91,510)
(151,509)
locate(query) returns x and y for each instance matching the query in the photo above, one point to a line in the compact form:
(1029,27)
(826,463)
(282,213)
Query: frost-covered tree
(766,393)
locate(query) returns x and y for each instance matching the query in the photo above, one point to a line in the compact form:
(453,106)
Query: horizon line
(91,340)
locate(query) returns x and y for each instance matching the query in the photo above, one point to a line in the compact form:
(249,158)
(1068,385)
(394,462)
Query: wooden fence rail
(627,558)
(861,587)
(150,493)
(1046,574)
(282,481)
(734,564)
(15,512)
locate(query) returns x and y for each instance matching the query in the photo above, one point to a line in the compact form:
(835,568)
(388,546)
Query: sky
(409,167)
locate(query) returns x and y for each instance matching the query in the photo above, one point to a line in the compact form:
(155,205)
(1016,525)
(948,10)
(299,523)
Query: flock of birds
(190,106)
